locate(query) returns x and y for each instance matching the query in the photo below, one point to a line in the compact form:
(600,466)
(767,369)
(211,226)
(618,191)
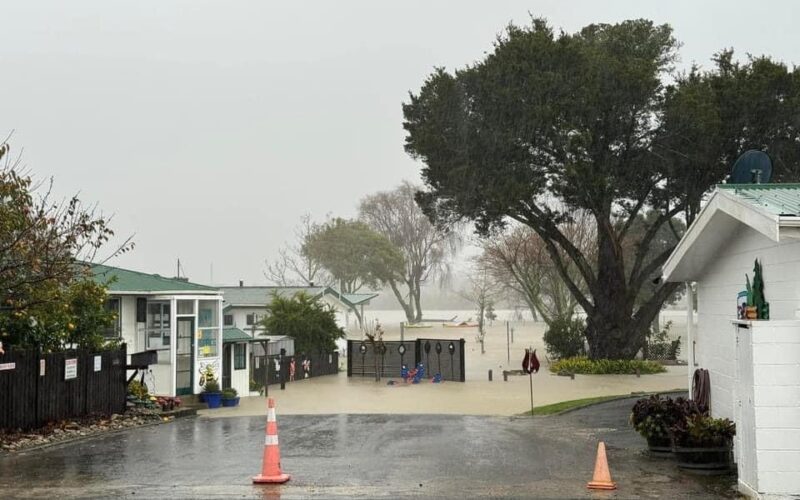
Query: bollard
(280,371)
(572,375)
(638,374)
(490,375)
(505,376)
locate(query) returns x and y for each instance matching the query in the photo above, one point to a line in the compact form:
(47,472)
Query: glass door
(184,357)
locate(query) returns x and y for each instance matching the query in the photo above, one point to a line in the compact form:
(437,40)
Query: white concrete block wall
(776,369)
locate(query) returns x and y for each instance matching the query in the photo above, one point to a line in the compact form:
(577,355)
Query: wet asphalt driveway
(364,456)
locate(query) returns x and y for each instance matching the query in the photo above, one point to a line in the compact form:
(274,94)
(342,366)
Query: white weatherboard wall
(774,415)
(717,288)
(240,379)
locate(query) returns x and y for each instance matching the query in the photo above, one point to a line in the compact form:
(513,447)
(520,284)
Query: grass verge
(571,405)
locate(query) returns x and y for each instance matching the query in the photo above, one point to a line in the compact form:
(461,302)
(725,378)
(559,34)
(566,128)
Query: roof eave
(745,213)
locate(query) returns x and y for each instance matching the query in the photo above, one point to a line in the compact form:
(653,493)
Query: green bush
(211,386)
(229,393)
(564,338)
(586,366)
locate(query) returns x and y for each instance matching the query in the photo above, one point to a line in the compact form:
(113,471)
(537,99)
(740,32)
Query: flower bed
(586,366)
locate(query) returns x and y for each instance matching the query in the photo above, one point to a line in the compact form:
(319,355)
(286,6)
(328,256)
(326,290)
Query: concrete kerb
(96,435)
(636,395)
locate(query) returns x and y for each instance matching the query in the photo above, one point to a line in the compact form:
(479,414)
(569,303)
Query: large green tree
(427,249)
(549,123)
(48,299)
(353,254)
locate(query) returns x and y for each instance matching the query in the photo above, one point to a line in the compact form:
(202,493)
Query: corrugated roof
(259,296)
(233,334)
(125,280)
(778,199)
(358,298)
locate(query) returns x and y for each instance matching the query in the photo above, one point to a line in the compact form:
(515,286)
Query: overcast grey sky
(209,128)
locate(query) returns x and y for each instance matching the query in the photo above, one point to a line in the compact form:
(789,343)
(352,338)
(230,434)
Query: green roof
(358,298)
(233,334)
(125,280)
(777,199)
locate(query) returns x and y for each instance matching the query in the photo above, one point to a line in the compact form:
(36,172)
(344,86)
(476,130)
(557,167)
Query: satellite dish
(753,167)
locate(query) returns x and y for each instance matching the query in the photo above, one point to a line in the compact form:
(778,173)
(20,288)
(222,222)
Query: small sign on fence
(7,366)
(41,368)
(70,368)
(98,363)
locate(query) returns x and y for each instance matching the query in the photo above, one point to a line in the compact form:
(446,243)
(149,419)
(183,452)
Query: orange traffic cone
(271,468)
(602,476)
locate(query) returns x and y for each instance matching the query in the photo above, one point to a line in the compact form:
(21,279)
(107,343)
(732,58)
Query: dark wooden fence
(38,388)
(321,364)
(442,356)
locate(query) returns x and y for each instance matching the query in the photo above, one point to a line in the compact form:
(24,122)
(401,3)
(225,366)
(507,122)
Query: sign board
(70,368)
(41,368)
(7,366)
(98,363)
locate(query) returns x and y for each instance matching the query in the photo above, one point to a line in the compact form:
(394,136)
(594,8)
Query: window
(207,342)
(227,320)
(239,356)
(114,331)
(157,325)
(185,307)
(252,319)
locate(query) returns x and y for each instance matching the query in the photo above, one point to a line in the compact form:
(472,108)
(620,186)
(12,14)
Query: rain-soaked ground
(367,456)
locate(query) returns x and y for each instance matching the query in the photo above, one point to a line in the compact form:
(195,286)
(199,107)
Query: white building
(177,320)
(754,366)
(245,306)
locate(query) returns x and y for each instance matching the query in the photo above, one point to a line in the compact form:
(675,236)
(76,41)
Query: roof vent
(241,283)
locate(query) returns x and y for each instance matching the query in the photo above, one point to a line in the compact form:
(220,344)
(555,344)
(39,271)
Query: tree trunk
(608,325)
(408,307)
(417,302)
(613,329)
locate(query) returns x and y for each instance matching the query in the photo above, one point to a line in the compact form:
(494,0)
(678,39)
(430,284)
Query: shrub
(211,386)
(564,338)
(655,416)
(137,390)
(658,345)
(586,366)
(703,431)
(229,393)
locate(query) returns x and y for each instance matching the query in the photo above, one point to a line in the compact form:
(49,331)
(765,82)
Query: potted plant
(255,388)
(230,397)
(654,418)
(704,444)
(213,396)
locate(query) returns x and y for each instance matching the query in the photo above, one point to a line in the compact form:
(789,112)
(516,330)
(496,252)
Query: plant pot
(659,447)
(705,461)
(230,401)
(201,397)
(213,399)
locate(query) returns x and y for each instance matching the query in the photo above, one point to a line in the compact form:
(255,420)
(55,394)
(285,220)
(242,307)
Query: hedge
(586,366)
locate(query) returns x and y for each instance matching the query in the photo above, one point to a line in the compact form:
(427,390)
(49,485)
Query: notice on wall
(7,366)
(41,368)
(70,368)
(98,363)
